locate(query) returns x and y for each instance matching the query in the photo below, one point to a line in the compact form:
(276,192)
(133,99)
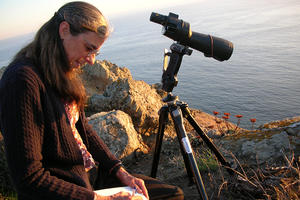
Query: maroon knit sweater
(43,156)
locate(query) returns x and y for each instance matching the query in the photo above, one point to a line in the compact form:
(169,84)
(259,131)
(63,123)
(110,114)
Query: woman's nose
(91,59)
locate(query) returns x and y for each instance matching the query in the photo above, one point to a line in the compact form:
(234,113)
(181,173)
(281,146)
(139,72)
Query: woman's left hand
(132,181)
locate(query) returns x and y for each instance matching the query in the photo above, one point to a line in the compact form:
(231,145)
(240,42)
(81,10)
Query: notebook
(111,191)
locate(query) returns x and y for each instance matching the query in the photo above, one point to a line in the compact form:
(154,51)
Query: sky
(21,17)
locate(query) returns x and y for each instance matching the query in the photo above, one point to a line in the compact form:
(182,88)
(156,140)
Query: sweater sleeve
(22,125)
(99,149)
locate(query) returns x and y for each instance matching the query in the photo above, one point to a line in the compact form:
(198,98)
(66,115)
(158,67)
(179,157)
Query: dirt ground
(171,170)
(244,184)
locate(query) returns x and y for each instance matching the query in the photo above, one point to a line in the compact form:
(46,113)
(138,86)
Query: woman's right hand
(119,196)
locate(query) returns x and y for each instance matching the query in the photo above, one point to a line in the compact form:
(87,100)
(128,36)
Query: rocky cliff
(121,107)
(124,112)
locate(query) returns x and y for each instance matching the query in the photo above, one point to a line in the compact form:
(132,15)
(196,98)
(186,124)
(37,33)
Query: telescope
(211,46)
(180,31)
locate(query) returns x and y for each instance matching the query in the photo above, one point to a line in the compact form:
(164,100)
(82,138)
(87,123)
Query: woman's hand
(132,181)
(119,196)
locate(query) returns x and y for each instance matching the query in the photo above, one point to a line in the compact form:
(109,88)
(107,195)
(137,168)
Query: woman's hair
(47,50)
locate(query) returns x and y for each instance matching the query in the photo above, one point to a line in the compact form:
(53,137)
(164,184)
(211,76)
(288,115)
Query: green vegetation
(206,161)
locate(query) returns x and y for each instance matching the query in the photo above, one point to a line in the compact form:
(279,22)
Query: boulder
(116,129)
(136,98)
(96,77)
(267,146)
(293,130)
(267,149)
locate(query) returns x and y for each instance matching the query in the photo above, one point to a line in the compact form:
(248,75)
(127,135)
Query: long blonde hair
(47,52)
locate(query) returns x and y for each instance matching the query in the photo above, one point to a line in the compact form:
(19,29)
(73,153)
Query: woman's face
(82,48)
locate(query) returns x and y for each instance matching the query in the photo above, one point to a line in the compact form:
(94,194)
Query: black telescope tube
(158,18)
(211,46)
(178,30)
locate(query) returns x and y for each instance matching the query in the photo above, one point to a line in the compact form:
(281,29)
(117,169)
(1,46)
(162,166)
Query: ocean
(261,80)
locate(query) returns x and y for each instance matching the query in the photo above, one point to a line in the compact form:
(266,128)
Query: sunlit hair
(48,54)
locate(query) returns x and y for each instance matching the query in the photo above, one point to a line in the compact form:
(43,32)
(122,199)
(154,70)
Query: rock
(159,90)
(117,130)
(96,77)
(213,126)
(280,124)
(265,150)
(293,130)
(265,147)
(136,98)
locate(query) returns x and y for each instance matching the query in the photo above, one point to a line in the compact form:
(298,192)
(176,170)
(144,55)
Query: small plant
(219,121)
(206,161)
(238,122)
(215,113)
(229,127)
(253,120)
(226,118)
(227,114)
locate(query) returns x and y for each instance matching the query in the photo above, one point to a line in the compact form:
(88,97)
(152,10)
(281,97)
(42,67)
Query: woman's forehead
(93,39)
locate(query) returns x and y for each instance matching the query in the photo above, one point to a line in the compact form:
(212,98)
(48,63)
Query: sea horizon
(260,80)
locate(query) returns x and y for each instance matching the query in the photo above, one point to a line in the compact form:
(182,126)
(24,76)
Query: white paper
(111,191)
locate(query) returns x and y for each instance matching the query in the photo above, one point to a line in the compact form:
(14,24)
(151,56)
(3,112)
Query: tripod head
(170,69)
(180,31)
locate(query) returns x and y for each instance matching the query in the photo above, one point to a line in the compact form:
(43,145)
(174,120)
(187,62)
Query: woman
(51,150)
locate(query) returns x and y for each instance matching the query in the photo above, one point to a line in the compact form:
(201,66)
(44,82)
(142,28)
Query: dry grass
(280,183)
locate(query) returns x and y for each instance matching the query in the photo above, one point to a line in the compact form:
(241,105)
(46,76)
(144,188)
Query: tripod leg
(205,138)
(185,143)
(163,117)
(188,166)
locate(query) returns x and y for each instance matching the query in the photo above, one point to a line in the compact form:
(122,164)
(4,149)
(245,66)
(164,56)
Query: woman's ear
(64,30)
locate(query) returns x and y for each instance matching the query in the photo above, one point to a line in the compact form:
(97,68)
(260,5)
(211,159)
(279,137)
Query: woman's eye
(88,48)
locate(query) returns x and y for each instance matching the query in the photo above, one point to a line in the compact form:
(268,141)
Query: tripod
(178,110)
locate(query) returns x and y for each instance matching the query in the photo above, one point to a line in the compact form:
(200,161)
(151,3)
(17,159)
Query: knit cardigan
(44,159)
